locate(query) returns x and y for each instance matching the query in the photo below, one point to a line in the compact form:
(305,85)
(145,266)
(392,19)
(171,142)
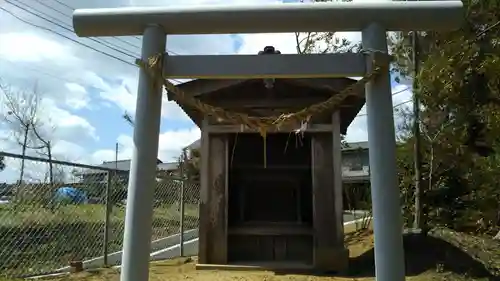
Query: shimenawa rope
(154,67)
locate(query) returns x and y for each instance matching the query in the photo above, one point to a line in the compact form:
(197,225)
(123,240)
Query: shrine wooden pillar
(213,199)
(329,251)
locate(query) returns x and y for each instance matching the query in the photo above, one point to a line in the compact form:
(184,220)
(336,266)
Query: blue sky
(85,92)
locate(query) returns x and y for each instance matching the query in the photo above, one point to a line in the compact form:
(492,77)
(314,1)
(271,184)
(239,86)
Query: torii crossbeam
(374,19)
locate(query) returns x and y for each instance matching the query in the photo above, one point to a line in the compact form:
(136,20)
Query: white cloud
(68,151)
(18,46)
(68,126)
(253,43)
(78,97)
(171,143)
(125,94)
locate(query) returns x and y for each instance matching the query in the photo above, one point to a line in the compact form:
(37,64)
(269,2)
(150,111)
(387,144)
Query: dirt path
(429,259)
(177,270)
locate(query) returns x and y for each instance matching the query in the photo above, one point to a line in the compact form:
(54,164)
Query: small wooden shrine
(273,203)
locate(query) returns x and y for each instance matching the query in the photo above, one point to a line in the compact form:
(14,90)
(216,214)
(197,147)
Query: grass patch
(13,215)
(17,215)
(35,240)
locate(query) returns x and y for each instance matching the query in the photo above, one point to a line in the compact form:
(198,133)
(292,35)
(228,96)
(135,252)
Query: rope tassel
(263,134)
(265,151)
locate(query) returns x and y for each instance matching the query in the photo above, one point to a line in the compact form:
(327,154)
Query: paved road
(350,217)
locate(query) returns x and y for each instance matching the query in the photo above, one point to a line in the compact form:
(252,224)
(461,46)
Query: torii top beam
(273,18)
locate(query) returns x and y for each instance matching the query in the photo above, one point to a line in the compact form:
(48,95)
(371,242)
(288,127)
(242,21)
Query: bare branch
(22,117)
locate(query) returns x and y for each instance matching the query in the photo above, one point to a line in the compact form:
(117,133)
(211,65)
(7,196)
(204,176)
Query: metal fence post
(109,208)
(181,203)
(181,223)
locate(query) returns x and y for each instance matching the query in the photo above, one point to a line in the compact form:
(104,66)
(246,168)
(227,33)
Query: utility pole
(115,173)
(417,223)
(116,157)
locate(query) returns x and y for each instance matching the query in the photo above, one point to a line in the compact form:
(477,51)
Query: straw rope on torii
(154,67)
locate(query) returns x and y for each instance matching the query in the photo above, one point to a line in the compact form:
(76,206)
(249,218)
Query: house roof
(118,165)
(124,165)
(194,145)
(171,166)
(328,86)
(355,146)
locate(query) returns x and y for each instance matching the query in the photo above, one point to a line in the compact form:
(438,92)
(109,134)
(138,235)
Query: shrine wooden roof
(295,93)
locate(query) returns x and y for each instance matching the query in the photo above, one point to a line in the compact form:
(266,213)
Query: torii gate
(374,19)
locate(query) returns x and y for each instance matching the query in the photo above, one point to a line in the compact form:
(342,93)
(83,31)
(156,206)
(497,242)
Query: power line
(44,3)
(64,4)
(401,91)
(394,107)
(401,103)
(66,37)
(69,28)
(69,38)
(73,8)
(135,37)
(40,71)
(397,105)
(64,27)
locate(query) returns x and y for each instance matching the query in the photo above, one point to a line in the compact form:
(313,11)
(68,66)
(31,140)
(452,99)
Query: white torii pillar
(374,19)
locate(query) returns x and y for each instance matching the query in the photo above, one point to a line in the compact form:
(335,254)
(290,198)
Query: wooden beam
(217,248)
(271,230)
(323,203)
(202,86)
(324,84)
(265,66)
(337,179)
(329,252)
(204,206)
(223,129)
(269,103)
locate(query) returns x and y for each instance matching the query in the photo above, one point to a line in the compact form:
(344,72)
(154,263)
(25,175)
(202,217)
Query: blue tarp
(71,195)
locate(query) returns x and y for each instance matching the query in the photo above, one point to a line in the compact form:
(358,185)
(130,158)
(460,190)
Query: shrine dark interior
(270,198)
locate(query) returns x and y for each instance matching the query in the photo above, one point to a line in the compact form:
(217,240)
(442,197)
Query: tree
(30,132)
(47,144)
(190,163)
(323,42)
(459,91)
(22,108)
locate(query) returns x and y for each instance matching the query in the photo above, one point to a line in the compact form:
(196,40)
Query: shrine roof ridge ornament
(271,18)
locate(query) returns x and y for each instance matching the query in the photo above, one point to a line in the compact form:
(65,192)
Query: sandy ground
(429,259)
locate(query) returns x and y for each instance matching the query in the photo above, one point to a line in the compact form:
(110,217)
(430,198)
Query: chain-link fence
(55,213)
